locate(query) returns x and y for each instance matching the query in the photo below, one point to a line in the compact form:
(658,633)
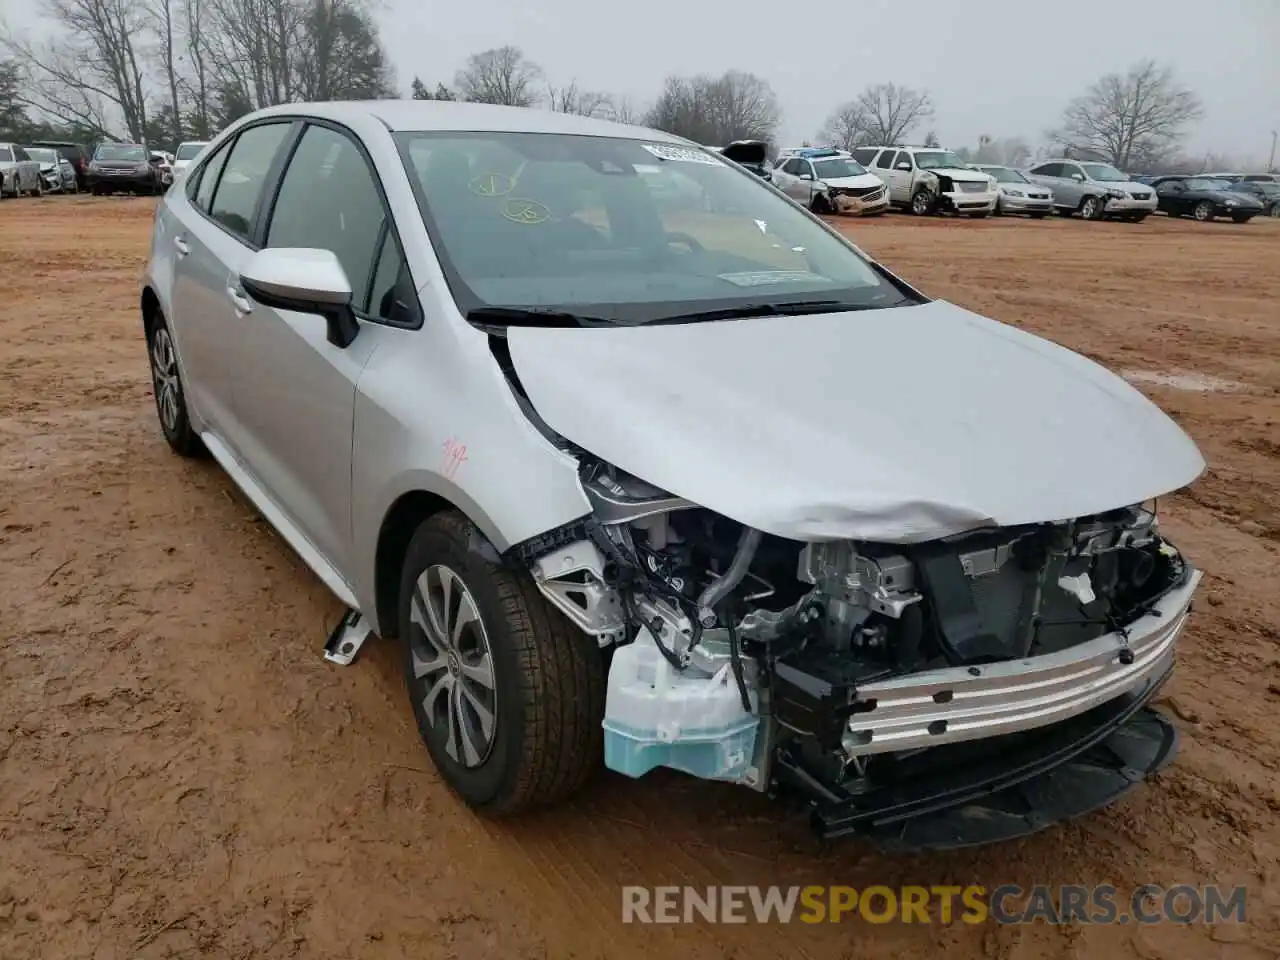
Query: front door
(294,390)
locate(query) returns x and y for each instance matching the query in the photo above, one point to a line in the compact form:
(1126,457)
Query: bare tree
(890,112)
(164,13)
(96,62)
(1138,118)
(501,75)
(846,128)
(572,99)
(624,110)
(196,87)
(716,110)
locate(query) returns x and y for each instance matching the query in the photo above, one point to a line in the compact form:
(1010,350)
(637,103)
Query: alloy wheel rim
(1202,212)
(164,372)
(1089,207)
(453,662)
(921,203)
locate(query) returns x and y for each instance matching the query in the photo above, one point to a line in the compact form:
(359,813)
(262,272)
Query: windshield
(187,151)
(42,154)
(1267,189)
(838,167)
(1005,175)
(937,159)
(621,230)
(6,154)
(121,151)
(1104,172)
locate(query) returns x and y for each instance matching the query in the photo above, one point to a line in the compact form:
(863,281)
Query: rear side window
(328,198)
(235,198)
(208,177)
(864,155)
(6,154)
(885,160)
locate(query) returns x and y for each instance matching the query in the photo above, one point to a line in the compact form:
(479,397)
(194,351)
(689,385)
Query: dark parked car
(1204,199)
(77,154)
(123,168)
(1268,194)
(752,154)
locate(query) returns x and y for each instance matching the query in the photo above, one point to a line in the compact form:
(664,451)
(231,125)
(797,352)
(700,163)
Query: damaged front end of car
(965,689)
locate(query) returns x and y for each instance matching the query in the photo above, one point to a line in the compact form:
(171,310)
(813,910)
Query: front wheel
(507,694)
(922,203)
(1242,217)
(1091,208)
(1274,211)
(820,204)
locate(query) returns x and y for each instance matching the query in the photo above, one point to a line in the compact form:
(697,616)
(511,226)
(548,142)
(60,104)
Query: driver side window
(329,198)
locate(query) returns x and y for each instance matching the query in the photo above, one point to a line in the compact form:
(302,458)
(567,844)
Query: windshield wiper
(534,317)
(789,308)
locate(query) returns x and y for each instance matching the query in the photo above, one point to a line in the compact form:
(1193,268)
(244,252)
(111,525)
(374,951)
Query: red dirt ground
(181,775)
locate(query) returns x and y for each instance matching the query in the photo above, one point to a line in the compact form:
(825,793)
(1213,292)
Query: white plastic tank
(658,716)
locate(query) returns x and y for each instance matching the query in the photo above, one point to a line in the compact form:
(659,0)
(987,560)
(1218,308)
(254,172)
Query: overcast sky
(1001,67)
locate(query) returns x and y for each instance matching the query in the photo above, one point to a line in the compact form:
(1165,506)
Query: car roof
(444,115)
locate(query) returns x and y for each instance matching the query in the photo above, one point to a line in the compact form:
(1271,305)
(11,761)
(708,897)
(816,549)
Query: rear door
(210,228)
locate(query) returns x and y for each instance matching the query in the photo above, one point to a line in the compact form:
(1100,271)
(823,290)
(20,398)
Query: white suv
(930,180)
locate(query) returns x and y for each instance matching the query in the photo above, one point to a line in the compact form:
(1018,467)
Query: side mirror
(305,280)
(903,166)
(805,175)
(1078,177)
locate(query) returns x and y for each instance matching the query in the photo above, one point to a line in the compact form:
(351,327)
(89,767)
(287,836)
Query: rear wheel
(1203,211)
(507,694)
(171,398)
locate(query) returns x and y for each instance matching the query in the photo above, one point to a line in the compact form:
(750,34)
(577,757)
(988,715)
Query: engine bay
(736,631)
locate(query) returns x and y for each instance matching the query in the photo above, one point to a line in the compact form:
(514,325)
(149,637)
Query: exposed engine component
(842,652)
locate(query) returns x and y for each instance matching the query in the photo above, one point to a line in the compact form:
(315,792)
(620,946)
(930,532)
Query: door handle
(240,300)
(181,246)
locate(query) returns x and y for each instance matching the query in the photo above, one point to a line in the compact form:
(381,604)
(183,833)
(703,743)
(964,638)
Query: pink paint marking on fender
(455,455)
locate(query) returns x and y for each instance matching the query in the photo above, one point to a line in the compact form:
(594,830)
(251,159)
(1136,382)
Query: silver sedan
(1018,194)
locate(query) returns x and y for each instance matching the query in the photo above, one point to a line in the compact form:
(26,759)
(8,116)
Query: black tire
(548,679)
(171,409)
(1092,208)
(1065,212)
(998,209)
(1203,211)
(820,204)
(922,202)
(1242,217)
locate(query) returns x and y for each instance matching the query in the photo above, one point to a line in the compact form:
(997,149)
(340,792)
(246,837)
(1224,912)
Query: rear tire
(170,396)
(1203,211)
(546,679)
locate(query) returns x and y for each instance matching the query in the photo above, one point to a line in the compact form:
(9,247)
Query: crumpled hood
(896,425)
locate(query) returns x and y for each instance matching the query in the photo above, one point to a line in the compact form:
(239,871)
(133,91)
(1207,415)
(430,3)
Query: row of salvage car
(924,180)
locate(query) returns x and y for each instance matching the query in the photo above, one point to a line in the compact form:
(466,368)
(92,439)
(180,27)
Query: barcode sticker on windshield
(666,151)
(761,277)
